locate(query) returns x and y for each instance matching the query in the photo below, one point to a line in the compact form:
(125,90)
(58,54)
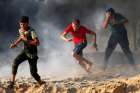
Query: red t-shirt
(79,35)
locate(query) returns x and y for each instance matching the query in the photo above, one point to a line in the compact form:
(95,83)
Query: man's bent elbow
(36,42)
(61,36)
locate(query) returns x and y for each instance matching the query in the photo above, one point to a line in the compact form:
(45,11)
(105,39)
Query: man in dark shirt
(28,36)
(116,24)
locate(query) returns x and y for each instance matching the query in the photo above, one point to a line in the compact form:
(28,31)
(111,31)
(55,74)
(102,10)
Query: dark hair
(24,19)
(111,10)
(75,20)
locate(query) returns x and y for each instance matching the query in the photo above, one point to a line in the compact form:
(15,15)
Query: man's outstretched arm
(13,45)
(94,39)
(88,31)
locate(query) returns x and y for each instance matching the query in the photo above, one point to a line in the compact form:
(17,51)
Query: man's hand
(13,45)
(69,40)
(24,38)
(63,36)
(108,14)
(95,46)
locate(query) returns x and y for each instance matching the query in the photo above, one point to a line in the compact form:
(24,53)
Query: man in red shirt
(78,33)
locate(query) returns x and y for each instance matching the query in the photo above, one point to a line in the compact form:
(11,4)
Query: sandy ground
(102,82)
(119,77)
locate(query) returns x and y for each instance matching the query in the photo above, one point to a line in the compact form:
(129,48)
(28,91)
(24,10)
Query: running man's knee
(15,66)
(74,54)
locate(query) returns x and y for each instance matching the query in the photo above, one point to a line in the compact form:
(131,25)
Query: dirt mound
(76,85)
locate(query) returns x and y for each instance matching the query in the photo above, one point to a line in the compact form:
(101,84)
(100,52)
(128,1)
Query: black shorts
(78,49)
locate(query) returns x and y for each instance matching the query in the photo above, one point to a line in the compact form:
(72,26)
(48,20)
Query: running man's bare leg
(83,62)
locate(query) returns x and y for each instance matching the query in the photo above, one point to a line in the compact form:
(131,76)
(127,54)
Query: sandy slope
(117,79)
(76,85)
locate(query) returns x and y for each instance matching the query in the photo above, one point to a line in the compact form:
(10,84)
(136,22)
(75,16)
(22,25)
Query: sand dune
(119,78)
(74,85)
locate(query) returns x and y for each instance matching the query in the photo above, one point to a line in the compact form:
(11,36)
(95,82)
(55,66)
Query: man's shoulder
(69,28)
(82,26)
(31,29)
(70,25)
(119,15)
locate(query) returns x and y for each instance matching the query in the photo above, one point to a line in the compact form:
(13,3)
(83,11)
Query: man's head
(111,11)
(75,24)
(24,22)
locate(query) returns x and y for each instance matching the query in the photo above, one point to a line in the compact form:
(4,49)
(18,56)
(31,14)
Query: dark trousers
(123,42)
(32,63)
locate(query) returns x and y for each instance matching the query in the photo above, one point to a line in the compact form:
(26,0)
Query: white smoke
(55,59)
